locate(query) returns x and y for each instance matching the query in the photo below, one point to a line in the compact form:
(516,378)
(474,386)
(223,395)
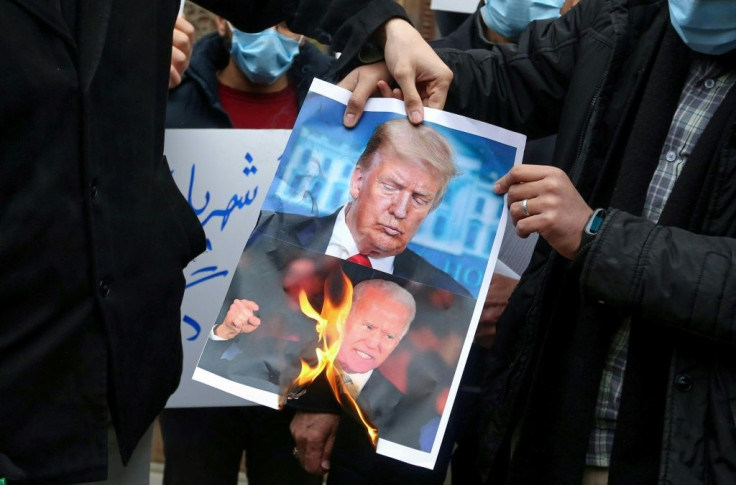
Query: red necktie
(361,259)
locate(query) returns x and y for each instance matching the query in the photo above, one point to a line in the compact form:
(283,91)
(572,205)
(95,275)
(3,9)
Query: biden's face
(391,200)
(373,329)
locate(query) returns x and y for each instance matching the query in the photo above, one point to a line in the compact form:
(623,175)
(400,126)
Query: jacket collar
(315,233)
(208,57)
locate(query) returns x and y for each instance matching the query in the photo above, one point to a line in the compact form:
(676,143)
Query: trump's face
(391,200)
(373,329)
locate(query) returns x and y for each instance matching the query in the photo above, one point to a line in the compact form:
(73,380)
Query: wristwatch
(591,230)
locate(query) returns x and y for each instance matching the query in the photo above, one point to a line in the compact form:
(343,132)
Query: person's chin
(360,366)
(383,248)
(362,370)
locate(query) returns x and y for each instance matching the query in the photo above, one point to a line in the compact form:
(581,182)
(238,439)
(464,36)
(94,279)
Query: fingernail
(416,117)
(349,119)
(326,465)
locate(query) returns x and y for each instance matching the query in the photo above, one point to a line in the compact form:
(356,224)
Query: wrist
(372,51)
(223,331)
(389,28)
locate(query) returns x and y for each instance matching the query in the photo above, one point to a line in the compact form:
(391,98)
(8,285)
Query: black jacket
(584,77)
(93,231)
(195,103)
(469,35)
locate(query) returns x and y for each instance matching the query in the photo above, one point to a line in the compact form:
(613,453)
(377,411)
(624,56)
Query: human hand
(422,77)
(363,83)
(240,318)
(554,208)
(496,300)
(181,50)
(314,435)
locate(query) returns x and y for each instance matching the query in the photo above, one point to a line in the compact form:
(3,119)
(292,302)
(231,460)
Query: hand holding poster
(367,268)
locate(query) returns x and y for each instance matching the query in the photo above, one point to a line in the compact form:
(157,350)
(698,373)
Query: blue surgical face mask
(509,17)
(264,56)
(705,26)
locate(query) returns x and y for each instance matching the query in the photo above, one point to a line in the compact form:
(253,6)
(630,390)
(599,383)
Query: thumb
(358,97)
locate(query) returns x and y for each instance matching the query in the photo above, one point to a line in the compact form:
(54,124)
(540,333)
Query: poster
(392,325)
(224,175)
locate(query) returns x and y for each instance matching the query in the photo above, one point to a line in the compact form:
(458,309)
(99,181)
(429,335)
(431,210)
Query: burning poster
(364,279)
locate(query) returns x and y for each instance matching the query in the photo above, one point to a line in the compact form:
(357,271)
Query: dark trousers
(205,445)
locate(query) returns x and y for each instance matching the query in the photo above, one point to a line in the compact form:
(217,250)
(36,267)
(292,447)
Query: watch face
(595,222)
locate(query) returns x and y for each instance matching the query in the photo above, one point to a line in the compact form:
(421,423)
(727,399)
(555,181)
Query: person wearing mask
(247,80)
(498,21)
(613,361)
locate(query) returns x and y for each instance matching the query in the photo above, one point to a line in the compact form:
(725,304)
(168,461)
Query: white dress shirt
(342,245)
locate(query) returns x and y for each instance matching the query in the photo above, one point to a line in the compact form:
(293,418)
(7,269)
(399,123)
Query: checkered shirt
(706,85)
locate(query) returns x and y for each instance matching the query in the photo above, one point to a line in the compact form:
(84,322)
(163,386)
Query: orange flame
(330,329)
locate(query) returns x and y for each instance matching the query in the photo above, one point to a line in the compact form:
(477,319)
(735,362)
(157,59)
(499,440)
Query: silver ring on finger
(525,207)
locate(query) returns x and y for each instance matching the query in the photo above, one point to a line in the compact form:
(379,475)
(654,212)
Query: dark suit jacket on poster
(314,233)
(379,397)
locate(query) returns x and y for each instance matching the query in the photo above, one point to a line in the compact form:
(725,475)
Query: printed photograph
(361,280)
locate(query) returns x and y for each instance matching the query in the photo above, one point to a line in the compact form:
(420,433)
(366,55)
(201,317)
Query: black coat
(469,35)
(584,76)
(94,233)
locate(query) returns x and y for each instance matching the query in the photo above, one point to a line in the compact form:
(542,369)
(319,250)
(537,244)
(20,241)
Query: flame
(330,328)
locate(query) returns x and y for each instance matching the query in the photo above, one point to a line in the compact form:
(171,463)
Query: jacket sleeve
(316,398)
(523,86)
(665,274)
(346,25)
